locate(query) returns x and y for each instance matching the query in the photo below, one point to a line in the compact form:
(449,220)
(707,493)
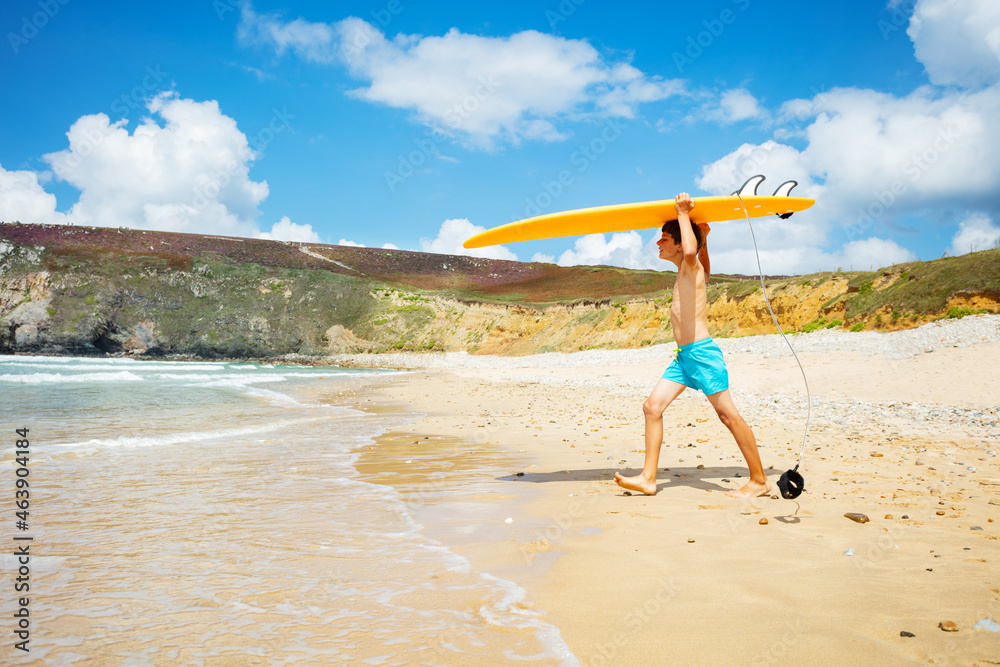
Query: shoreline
(618,575)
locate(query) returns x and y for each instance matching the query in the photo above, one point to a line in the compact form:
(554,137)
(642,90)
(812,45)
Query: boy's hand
(683,203)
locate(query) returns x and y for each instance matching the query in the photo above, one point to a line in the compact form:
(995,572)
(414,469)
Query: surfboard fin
(783,191)
(745,189)
(785,188)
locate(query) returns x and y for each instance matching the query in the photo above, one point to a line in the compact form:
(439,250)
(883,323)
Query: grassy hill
(96,290)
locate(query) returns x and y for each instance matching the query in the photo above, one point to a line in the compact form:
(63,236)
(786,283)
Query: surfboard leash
(791,483)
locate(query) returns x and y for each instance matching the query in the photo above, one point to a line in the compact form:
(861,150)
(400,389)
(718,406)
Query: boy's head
(673,228)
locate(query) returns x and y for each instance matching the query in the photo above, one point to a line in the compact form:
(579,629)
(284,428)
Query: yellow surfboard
(643,215)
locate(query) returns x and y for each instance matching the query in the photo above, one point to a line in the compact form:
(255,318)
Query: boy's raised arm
(689,244)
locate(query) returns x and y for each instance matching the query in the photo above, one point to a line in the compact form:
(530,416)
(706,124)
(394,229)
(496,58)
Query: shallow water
(211,513)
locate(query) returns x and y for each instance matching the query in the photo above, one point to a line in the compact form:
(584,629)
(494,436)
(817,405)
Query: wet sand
(690,576)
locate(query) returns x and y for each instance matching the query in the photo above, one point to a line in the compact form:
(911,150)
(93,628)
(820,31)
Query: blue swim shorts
(699,365)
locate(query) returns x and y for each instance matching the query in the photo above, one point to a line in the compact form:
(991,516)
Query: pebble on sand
(508,520)
(849,552)
(904,633)
(857,517)
(690,540)
(888,516)
(948,626)
(763,521)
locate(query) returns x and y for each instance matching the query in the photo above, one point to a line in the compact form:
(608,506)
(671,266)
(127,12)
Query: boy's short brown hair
(673,228)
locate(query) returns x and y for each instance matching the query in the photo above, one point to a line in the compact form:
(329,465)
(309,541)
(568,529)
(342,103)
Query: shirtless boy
(698,363)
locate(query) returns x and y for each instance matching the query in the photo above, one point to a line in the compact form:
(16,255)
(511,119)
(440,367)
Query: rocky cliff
(99,291)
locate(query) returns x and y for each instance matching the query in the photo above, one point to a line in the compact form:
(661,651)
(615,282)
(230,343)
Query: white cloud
(977,232)
(872,253)
(453,233)
(286,230)
(190,174)
(874,160)
(788,247)
(958,41)
(933,143)
(309,41)
(479,89)
(23,199)
(384,246)
(727,174)
(737,105)
(624,249)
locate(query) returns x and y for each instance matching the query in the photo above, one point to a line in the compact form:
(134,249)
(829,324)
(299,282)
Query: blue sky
(414,125)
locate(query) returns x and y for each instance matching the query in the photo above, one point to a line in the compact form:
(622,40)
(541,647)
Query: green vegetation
(215,296)
(589,319)
(821,323)
(742,288)
(957,312)
(217,309)
(925,287)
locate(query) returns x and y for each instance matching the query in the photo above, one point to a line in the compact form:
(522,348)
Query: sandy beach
(904,429)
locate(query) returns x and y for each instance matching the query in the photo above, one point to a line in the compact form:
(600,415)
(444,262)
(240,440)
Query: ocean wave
(56,378)
(121,363)
(277,398)
(190,436)
(242,381)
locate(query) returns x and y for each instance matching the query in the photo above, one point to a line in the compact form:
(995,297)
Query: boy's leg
(663,395)
(745,440)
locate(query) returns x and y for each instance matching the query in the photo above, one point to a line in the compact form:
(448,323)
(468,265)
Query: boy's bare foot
(637,483)
(750,490)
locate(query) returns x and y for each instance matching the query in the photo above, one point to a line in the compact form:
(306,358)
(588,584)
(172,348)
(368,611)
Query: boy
(698,363)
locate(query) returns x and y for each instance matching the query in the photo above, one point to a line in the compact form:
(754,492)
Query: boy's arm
(689,244)
(703,255)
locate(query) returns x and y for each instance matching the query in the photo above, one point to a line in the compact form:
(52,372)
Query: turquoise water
(211,513)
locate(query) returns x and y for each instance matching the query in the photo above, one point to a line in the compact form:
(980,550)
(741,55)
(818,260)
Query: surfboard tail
(749,189)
